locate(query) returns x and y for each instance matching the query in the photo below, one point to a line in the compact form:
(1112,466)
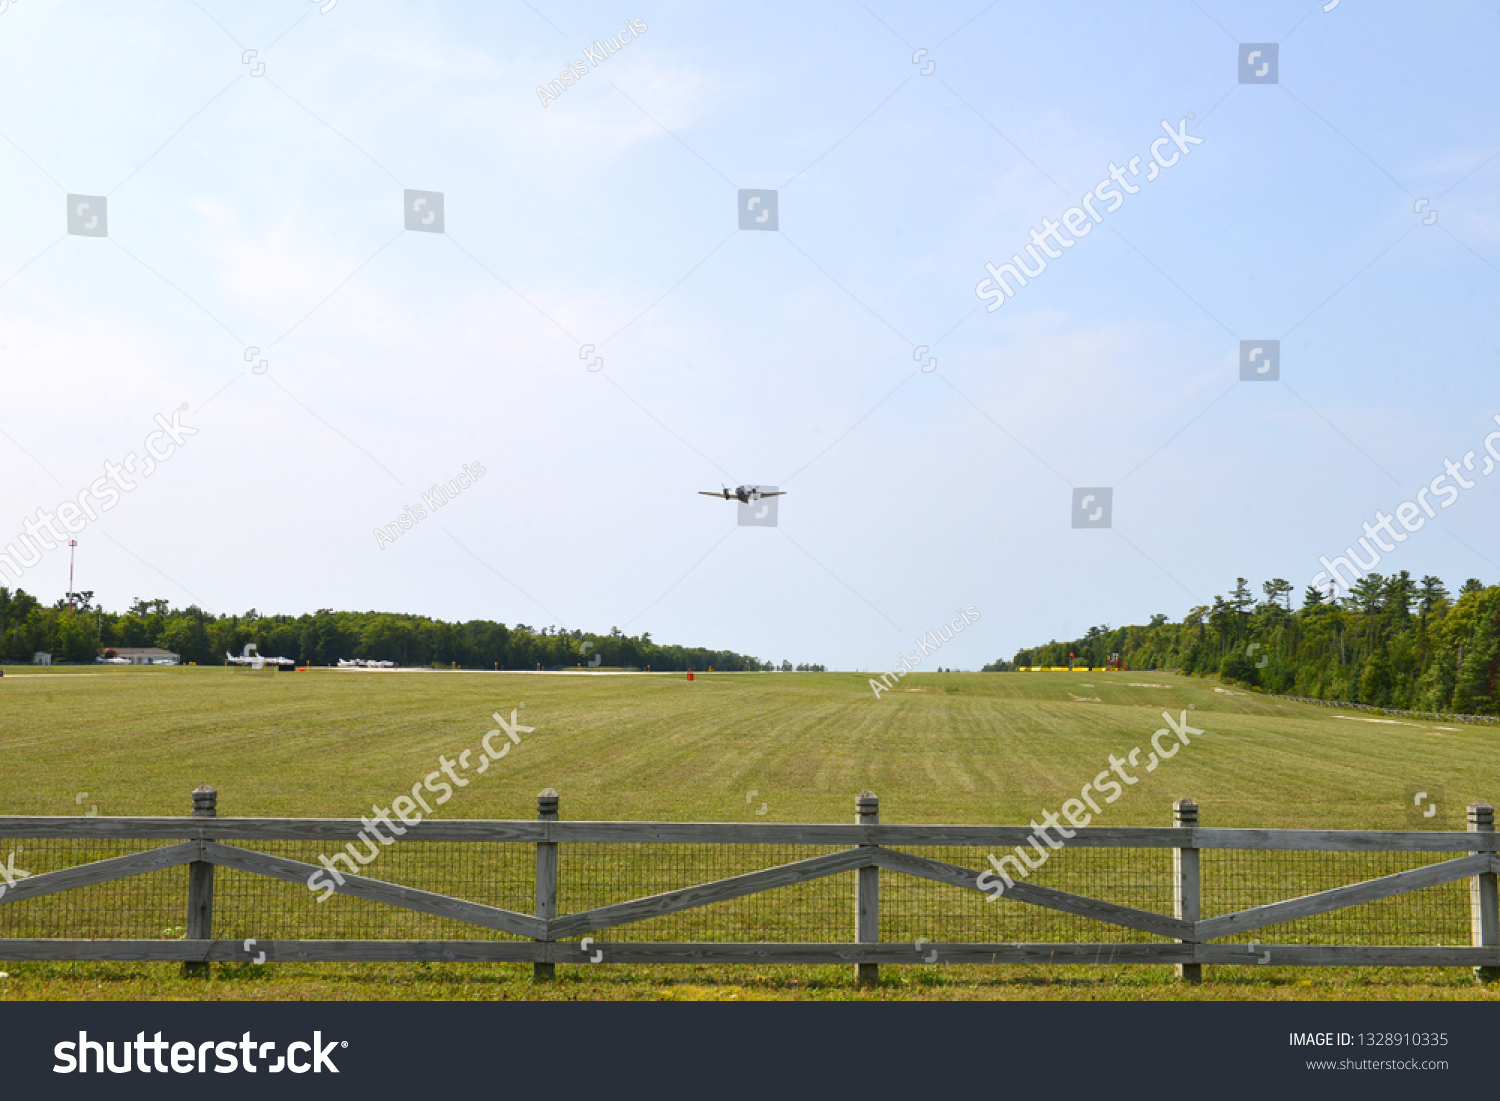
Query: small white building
(40,658)
(143,655)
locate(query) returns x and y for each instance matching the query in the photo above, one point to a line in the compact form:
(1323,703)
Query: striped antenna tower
(72,543)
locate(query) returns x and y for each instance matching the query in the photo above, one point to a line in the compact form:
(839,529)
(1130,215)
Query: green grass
(510,982)
(958,748)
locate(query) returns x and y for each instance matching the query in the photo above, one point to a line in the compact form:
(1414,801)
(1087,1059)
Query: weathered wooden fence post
(1484,901)
(1185,881)
(867,893)
(200,916)
(546,877)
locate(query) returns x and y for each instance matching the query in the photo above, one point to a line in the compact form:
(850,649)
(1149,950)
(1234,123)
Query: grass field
(956,748)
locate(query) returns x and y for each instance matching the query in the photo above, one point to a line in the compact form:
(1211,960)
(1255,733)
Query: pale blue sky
(266,211)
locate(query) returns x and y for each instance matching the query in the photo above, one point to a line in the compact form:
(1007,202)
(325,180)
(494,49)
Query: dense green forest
(1391,641)
(326,636)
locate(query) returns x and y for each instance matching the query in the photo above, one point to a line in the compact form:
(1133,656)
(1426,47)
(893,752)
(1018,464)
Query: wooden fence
(870,849)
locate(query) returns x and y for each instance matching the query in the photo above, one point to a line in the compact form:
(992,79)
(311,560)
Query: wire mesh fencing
(1238,879)
(499,874)
(592,875)
(151,906)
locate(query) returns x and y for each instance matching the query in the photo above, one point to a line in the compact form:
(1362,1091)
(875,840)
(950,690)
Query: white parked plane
(254,659)
(361,663)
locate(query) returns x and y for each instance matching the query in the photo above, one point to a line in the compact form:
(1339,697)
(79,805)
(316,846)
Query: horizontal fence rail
(543,867)
(749,833)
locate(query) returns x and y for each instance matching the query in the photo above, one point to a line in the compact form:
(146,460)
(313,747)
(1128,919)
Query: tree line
(1389,641)
(86,631)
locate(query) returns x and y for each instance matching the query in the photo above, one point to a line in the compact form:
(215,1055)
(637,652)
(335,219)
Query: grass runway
(940,748)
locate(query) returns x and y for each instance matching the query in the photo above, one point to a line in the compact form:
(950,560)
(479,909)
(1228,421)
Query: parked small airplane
(743,494)
(253,659)
(361,663)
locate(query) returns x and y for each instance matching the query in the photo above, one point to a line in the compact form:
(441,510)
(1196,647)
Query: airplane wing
(705,493)
(778,493)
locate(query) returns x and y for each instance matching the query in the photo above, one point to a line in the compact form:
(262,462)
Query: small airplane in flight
(743,494)
(253,659)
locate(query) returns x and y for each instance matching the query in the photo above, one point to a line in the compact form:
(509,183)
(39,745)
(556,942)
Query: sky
(594,330)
